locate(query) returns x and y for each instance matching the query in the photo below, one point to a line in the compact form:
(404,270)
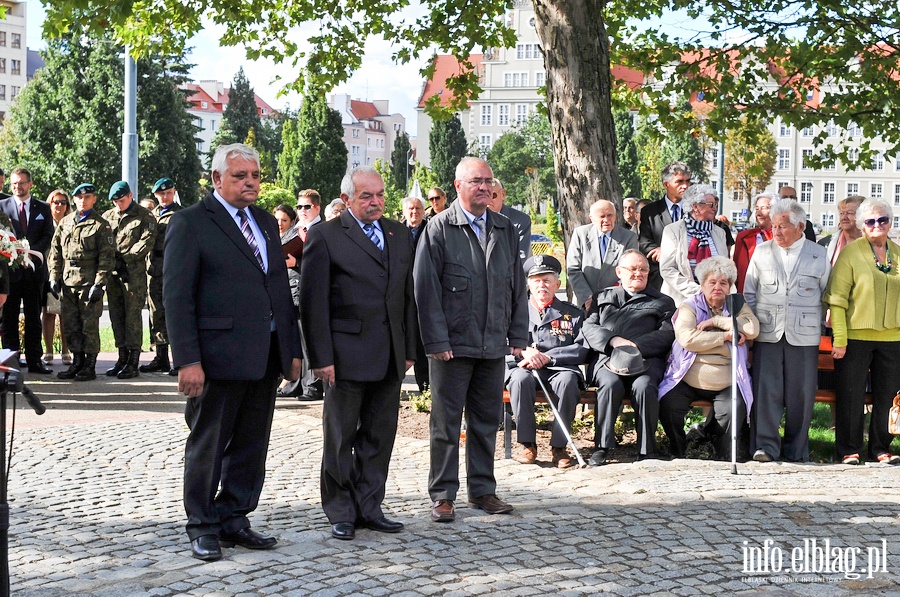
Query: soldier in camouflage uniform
(82,254)
(164,191)
(135,231)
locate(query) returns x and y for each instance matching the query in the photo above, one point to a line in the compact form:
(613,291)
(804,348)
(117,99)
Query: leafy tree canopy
(447,143)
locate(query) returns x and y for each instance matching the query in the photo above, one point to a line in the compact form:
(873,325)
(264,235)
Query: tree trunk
(576,59)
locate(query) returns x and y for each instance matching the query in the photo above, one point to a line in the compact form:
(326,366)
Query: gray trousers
(522,386)
(475,385)
(611,390)
(784,383)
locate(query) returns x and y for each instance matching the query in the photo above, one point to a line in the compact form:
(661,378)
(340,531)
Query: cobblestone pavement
(95,495)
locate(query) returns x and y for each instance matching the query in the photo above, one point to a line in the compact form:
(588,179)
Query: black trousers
(27,293)
(230,424)
(476,386)
(644,390)
(882,361)
(677,402)
(359,423)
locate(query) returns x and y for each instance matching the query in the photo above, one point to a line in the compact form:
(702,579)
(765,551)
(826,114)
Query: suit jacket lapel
(356,234)
(224,221)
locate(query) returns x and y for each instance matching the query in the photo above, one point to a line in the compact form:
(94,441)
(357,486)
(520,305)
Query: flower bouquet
(17,252)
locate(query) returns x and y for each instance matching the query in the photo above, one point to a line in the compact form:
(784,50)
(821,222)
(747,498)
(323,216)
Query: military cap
(84,187)
(118,190)
(163,184)
(542,264)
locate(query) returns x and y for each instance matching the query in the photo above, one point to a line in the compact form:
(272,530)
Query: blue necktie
(369,229)
(676,213)
(603,246)
(251,239)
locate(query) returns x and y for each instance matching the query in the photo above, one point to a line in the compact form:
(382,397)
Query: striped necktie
(479,228)
(369,229)
(248,234)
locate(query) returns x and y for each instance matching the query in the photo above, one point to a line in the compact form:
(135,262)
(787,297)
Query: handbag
(53,305)
(894,417)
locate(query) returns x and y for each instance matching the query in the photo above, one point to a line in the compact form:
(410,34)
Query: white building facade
(369,129)
(13,54)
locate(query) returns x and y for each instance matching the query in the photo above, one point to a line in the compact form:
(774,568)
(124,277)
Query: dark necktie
(603,245)
(23,218)
(676,213)
(248,234)
(369,229)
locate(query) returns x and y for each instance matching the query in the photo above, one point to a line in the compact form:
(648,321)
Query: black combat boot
(120,363)
(130,369)
(77,364)
(87,372)
(159,363)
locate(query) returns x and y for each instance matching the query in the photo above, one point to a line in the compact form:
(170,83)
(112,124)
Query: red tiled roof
(216,104)
(446,66)
(363,110)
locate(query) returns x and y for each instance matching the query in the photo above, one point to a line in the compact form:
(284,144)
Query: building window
(852,188)
(784,159)
(487,113)
(354,150)
(2,65)
(853,130)
(807,131)
(356,133)
(13,92)
(521,113)
(16,40)
(212,124)
(827,220)
(784,130)
(715,185)
(896,223)
(539,78)
(713,158)
(484,144)
(876,190)
(736,215)
(782,184)
(200,123)
(831,129)
(806,154)
(528,51)
(829,190)
(2,92)
(806,190)
(897,194)
(204,104)
(503,114)
(3,39)
(368,161)
(515,79)
(199,145)
(738,193)
(15,67)
(369,142)
(878,162)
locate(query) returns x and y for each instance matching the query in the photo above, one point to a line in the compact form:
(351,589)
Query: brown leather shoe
(528,455)
(490,504)
(443,511)
(561,458)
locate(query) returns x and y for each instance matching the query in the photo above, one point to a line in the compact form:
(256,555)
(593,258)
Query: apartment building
(369,129)
(13,54)
(208,103)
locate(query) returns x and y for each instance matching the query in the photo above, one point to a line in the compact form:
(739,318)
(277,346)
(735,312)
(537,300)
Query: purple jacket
(680,360)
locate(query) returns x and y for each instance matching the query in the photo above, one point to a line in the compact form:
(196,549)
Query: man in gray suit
(784,284)
(357,313)
(233,329)
(520,219)
(593,252)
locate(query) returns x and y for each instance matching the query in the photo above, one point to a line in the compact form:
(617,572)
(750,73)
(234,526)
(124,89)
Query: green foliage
(522,158)
(627,154)
(313,152)
(393,194)
(420,402)
(750,151)
(649,159)
(553,224)
(66,125)
(400,161)
(447,143)
(241,112)
(427,179)
(271,196)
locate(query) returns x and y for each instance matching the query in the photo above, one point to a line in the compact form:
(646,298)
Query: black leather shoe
(39,367)
(383,525)
(598,458)
(206,548)
(343,530)
(248,538)
(309,397)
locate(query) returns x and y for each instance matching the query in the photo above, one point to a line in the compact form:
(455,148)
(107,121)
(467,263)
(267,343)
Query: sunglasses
(60,202)
(882,221)
(307,206)
(438,198)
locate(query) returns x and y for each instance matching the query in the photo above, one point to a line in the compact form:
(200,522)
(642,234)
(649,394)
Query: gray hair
(334,203)
(868,209)
(772,197)
(235,150)
(348,187)
(407,200)
(672,168)
(719,266)
(464,163)
(632,252)
(629,199)
(696,194)
(796,213)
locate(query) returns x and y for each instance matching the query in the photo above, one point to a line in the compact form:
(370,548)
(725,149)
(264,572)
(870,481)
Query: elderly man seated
(556,350)
(630,328)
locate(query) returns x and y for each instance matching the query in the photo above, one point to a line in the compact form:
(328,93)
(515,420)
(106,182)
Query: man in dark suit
(233,329)
(356,297)
(414,216)
(31,220)
(676,178)
(520,219)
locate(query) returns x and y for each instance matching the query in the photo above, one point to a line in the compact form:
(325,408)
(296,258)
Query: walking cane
(559,420)
(734,345)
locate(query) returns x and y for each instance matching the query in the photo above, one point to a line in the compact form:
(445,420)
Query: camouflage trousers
(125,303)
(80,319)
(158,332)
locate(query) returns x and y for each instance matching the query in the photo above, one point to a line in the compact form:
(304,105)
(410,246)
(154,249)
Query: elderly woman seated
(700,364)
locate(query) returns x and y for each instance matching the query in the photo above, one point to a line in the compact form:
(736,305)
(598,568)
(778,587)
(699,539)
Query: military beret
(84,187)
(163,184)
(118,190)
(542,264)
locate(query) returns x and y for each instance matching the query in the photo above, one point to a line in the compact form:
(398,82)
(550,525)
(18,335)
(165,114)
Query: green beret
(84,187)
(163,184)
(118,190)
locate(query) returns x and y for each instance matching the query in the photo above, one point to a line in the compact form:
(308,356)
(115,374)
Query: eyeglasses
(477,182)
(713,204)
(882,221)
(60,202)
(637,270)
(307,206)
(436,198)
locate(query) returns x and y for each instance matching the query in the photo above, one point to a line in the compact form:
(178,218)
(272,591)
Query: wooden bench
(589,396)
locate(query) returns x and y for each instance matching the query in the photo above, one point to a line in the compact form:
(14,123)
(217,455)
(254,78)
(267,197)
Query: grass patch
(108,341)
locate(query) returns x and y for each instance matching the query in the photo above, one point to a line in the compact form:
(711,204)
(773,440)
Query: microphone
(33,401)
